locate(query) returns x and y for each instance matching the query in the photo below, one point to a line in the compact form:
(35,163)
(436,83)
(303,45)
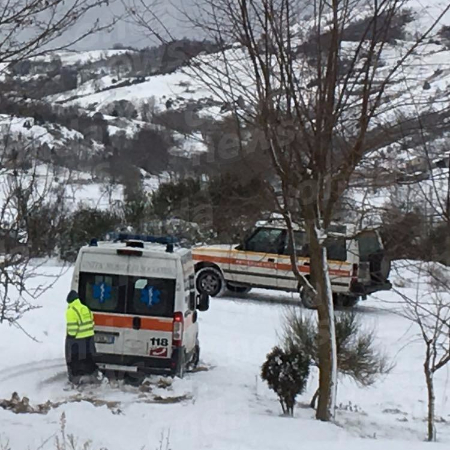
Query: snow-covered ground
(178,85)
(225,407)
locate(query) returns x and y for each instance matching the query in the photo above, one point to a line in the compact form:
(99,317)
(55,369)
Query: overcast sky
(128,33)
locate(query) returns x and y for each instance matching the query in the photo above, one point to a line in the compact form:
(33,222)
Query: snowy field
(227,406)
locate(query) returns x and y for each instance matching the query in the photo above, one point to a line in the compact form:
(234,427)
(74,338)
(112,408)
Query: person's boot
(74,380)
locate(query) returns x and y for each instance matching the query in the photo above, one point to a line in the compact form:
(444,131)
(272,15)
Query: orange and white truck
(357,262)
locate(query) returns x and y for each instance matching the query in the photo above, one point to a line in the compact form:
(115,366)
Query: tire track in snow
(31,367)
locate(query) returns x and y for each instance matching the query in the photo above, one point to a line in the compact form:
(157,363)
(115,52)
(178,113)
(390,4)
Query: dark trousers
(80,356)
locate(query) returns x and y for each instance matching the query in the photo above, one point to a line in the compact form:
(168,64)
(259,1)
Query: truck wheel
(308,299)
(209,280)
(238,289)
(345,301)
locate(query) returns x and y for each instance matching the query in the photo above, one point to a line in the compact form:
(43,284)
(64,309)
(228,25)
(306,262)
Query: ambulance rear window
(102,292)
(151,297)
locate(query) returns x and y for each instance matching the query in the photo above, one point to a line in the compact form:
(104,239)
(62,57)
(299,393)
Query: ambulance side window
(102,292)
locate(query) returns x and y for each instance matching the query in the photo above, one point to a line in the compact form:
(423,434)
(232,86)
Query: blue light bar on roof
(121,237)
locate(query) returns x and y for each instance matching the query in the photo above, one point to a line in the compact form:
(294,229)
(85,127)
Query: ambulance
(358,264)
(142,292)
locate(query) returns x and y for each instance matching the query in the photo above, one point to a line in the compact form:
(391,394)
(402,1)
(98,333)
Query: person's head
(73,295)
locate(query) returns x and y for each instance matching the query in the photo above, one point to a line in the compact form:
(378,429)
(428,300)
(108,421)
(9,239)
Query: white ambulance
(358,265)
(142,292)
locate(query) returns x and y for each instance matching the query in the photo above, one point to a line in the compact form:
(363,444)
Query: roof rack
(121,237)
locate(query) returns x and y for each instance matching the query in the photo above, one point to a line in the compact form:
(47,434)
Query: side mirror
(203,302)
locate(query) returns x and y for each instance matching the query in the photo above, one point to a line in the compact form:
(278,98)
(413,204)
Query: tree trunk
(431,403)
(327,336)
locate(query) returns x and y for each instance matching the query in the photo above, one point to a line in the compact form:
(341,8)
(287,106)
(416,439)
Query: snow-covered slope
(227,406)
(422,85)
(69,58)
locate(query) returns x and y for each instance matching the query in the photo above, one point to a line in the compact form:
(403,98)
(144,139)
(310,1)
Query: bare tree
(24,196)
(430,310)
(312,105)
(30,28)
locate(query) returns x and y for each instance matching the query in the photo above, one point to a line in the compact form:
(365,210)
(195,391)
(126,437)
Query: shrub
(286,373)
(223,203)
(83,225)
(388,28)
(444,34)
(357,354)
(136,203)
(150,150)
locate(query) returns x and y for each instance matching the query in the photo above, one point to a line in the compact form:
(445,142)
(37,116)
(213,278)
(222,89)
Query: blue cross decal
(150,296)
(102,292)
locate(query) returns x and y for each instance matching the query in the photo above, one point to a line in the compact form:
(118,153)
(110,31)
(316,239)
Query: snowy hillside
(125,91)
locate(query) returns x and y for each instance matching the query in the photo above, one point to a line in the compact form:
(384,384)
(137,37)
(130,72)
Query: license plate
(104,339)
(117,367)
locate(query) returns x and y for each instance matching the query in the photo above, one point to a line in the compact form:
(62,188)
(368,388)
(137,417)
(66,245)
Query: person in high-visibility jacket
(80,346)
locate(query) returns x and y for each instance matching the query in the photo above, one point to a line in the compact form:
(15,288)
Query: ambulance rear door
(106,295)
(150,307)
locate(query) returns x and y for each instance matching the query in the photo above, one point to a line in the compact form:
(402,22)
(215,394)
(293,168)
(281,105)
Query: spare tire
(380,267)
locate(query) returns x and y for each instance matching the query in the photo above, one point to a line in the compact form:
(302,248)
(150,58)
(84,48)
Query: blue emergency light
(121,237)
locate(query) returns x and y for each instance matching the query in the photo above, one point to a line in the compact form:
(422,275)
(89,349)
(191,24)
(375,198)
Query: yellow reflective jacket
(80,320)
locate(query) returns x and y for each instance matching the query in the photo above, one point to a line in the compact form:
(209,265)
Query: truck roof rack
(122,237)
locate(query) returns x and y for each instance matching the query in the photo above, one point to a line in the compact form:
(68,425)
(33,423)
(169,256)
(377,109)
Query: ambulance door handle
(136,323)
(271,260)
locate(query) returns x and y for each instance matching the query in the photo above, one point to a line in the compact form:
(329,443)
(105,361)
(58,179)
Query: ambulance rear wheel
(181,365)
(209,280)
(195,357)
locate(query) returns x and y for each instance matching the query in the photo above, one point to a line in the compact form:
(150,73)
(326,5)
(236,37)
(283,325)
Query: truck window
(301,244)
(336,248)
(266,240)
(369,243)
(151,297)
(103,293)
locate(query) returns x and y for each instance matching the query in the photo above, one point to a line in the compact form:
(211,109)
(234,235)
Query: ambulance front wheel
(210,280)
